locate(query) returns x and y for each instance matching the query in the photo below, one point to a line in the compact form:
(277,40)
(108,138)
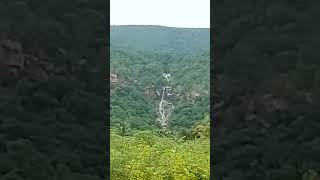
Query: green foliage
(56,24)
(140,148)
(160,39)
(145,155)
(53,129)
(266,58)
(311,175)
(202,129)
(141,65)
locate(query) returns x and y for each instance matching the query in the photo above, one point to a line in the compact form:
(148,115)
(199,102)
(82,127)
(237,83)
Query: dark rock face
(266,89)
(11,54)
(13,61)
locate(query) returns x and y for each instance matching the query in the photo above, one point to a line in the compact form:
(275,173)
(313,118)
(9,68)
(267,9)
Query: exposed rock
(12,45)
(113,78)
(150,91)
(11,54)
(195,94)
(167,77)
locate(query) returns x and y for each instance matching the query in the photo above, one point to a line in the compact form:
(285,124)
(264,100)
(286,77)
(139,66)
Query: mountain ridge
(133,25)
(160,38)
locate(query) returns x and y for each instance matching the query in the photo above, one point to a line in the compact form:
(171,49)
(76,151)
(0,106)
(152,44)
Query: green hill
(160,38)
(159,82)
(139,57)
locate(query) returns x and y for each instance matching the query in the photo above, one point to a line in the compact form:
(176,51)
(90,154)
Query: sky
(171,13)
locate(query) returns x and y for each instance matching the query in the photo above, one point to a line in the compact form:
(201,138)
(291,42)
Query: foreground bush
(146,155)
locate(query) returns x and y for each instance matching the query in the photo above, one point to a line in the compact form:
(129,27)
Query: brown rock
(12,45)
(113,78)
(11,54)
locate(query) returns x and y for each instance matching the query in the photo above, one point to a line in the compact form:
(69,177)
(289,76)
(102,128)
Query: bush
(148,156)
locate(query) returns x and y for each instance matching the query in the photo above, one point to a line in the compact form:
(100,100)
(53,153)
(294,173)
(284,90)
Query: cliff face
(265,89)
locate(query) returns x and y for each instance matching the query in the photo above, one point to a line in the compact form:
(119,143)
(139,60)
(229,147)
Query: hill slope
(141,56)
(52,99)
(160,38)
(267,78)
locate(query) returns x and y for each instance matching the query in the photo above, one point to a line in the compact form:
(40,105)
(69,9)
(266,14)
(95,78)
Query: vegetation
(52,103)
(147,155)
(140,147)
(266,90)
(140,76)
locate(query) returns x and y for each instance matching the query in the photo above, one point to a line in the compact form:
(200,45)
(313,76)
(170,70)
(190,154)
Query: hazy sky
(172,13)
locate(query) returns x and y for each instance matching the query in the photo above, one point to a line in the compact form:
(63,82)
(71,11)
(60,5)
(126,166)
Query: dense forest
(266,83)
(52,108)
(265,77)
(150,65)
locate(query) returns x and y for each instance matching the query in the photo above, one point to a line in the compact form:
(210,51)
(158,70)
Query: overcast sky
(171,13)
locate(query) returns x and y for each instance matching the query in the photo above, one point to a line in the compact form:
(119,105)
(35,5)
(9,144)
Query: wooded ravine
(159,102)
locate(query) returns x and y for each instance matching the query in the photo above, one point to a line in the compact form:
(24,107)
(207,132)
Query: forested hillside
(139,77)
(266,78)
(52,109)
(159,102)
(160,38)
